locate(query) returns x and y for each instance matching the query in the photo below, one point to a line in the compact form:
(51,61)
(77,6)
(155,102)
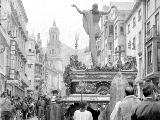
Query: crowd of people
(16,108)
(49,108)
(129,108)
(132,108)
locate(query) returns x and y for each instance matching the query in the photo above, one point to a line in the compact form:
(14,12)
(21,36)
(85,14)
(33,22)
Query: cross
(119,51)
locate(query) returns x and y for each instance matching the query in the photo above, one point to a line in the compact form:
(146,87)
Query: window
(129,45)
(140,40)
(148,28)
(52,51)
(110,46)
(121,30)
(157,23)
(140,67)
(158,55)
(139,15)
(128,28)
(149,55)
(148,5)
(134,44)
(111,30)
(134,22)
(115,31)
(156,3)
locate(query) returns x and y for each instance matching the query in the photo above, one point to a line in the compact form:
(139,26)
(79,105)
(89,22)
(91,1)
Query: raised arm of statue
(77,9)
(106,13)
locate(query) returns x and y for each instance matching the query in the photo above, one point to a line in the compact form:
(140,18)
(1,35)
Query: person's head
(55,93)
(129,91)
(82,105)
(95,7)
(148,90)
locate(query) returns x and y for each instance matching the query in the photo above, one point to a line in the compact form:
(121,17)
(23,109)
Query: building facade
(35,65)
(135,35)
(54,64)
(152,40)
(113,37)
(14,28)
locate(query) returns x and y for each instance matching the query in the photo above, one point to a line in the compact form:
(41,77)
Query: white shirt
(86,115)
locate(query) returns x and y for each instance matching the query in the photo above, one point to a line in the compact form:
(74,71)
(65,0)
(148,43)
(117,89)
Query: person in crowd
(127,105)
(18,107)
(149,109)
(102,114)
(47,108)
(24,108)
(6,107)
(95,112)
(55,113)
(82,113)
(41,104)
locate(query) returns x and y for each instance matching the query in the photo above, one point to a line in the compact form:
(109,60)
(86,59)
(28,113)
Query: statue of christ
(91,20)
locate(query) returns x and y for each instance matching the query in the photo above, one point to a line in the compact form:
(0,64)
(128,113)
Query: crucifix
(119,51)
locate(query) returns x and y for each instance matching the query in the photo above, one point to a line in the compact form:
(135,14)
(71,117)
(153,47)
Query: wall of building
(13,24)
(136,32)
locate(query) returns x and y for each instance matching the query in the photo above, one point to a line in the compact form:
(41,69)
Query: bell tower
(54,43)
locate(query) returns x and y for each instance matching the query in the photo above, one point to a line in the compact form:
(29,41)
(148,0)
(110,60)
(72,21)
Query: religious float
(94,85)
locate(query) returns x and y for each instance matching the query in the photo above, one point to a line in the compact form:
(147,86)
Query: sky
(42,13)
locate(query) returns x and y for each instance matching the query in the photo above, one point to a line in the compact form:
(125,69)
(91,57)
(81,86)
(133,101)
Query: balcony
(17,18)
(152,33)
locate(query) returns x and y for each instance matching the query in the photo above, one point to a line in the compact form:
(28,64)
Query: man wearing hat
(149,108)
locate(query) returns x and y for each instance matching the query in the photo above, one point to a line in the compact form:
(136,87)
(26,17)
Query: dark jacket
(95,113)
(149,109)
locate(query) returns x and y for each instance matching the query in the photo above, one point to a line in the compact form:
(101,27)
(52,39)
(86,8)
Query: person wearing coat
(126,107)
(149,109)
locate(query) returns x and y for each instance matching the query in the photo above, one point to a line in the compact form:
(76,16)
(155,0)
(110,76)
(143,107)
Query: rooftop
(123,5)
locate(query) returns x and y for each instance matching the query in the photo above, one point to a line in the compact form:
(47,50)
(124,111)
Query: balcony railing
(153,32)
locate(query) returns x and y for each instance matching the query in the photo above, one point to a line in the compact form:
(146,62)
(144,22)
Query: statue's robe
(90,24)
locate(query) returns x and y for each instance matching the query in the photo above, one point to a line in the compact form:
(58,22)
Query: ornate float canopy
(96,80)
